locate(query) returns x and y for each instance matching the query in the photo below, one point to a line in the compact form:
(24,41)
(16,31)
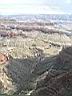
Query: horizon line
(37,14)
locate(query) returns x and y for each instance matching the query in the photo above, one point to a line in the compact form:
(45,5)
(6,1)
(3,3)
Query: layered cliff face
(50,76)
(15,74)
(6,83)
(36,66)
(58,80)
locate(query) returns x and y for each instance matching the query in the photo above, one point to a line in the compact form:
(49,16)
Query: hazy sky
(8,7)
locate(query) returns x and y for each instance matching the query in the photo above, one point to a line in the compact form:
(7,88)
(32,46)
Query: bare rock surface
(58,80)
(34,64)
(49,76)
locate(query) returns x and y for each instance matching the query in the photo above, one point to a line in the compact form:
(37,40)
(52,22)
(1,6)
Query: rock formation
(3,58)
(6,85)
(58,81)
(15,74)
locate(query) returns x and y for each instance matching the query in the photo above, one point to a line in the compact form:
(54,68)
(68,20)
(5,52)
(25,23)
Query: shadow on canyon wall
(46,76)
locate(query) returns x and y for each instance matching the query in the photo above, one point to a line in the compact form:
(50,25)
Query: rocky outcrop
(14,74)
(58,80)
(48,77)
(3,58)
(6,84)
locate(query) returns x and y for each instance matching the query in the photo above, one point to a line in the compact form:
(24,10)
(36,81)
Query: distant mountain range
(41,17)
